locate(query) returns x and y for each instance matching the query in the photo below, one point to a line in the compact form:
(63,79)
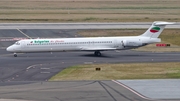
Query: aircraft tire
(97,53)
(15,55)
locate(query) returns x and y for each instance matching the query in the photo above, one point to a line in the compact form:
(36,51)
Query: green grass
(120,71)
(171,35)
(90,18)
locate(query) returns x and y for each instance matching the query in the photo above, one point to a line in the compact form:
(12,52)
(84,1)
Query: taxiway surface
(68,91)
(23,77)
(41,66)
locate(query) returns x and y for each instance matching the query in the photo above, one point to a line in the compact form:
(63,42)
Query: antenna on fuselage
(24,34)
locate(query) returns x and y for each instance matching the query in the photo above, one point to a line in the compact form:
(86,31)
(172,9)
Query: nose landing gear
(15,55)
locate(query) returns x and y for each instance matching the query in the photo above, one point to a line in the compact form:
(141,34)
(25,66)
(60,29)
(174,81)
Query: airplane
(95,44)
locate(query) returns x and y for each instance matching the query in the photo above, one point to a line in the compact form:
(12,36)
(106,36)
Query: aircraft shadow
(133,55)
(92,55)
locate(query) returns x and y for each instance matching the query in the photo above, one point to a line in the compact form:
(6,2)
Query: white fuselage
(81,44)
(95,44)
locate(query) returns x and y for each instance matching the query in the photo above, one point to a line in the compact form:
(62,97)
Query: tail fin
(156,28)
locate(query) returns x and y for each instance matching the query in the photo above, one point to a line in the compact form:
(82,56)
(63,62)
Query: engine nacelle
(132,43)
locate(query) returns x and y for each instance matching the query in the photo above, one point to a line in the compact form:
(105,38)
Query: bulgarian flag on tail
(155,29)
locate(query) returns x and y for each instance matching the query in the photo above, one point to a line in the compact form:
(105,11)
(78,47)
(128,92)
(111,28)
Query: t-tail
(156,28)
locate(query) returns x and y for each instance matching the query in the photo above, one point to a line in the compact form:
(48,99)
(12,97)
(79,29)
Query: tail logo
(155,29)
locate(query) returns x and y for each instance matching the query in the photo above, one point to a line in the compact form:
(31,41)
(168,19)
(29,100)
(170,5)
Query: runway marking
(45,68)
(9,54)
(88,62)
(24,34)
(33,66)
(12,39)
(30,67)
(130,89)
(45,72)
(5,54)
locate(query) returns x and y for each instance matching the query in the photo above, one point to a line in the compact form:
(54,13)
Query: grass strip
(89,10)
(120,71)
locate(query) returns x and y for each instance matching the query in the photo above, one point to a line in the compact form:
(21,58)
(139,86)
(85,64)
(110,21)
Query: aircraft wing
(94,49)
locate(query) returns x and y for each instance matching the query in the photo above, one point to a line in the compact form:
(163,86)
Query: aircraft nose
(9,49)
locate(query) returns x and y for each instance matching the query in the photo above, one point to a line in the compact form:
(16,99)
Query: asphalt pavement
(25,77)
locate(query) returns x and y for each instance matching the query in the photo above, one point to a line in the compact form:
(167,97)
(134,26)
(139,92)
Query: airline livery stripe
(154,31)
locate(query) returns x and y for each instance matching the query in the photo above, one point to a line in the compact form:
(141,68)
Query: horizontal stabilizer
(158,23)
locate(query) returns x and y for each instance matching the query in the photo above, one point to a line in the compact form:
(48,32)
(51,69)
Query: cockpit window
(17,43)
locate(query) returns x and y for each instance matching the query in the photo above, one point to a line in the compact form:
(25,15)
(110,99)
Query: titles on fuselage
(41,42)
(45,41)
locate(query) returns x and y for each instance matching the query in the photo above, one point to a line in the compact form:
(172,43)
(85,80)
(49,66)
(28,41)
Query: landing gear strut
(15,55)
(97,53)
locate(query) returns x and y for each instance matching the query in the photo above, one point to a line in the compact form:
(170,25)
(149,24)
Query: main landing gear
(97,53)
(15,55)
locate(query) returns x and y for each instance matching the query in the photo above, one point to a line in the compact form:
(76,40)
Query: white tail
(156,28)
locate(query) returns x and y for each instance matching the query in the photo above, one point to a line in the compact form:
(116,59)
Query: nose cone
(9,49)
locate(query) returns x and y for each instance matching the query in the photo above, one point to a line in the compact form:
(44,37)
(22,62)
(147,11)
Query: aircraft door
(23,44)
(118,44)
